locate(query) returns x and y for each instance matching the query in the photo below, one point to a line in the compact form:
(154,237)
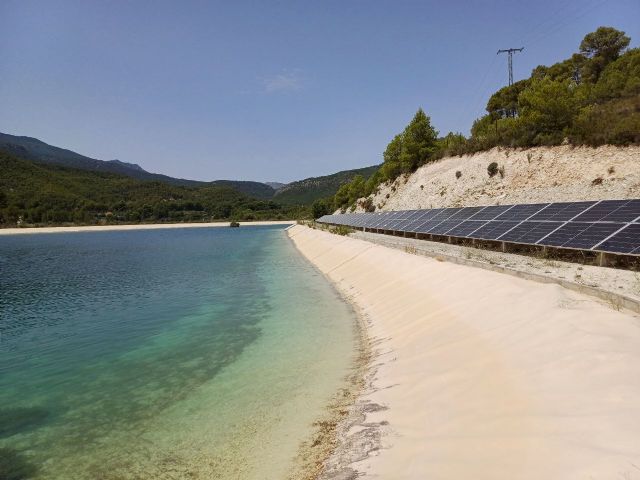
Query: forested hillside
(305,192)
(592,98)
(41,152)
(32,193)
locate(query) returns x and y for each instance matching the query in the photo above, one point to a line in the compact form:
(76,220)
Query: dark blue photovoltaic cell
(491,212)
(433,213)
(382,218)
(599,226)
(625,241)
(564,234)
(392,224)
(561,212)
(630,211)
(521,212)
(412,214)
(530,232)
(580,235)
(427,226)
(494,229)
(611,211)
(593,235)
(465,213)
(445,213)
(411,227)
(443,227)
(464,229)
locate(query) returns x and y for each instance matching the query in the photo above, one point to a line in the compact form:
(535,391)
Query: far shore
(141,226)
(477,374)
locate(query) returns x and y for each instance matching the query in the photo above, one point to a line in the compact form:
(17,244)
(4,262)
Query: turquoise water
(187,353)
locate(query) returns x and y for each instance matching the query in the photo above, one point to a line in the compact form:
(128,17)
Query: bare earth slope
(540,174)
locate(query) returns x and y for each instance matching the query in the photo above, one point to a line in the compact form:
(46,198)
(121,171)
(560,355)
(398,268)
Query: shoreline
(474,373)
(137,226)
(318,456)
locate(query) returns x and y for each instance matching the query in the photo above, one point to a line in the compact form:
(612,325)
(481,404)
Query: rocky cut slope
(540,174)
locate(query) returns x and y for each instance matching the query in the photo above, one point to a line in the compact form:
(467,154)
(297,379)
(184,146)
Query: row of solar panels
(606,225)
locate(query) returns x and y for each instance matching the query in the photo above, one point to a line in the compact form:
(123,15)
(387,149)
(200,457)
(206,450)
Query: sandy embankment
(485,375)
(150,226)
(540,174)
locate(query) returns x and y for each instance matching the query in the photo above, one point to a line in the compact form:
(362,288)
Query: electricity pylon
(510,52)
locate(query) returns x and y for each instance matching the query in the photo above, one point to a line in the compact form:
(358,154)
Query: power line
(510,52)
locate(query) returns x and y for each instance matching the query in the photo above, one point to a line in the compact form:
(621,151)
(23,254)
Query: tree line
(592,98)
(38,194)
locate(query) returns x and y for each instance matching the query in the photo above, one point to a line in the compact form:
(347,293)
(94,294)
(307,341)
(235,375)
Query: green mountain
(276,185)
(305,192)
(42,184)
(252,189)
(37,193)
(41,152)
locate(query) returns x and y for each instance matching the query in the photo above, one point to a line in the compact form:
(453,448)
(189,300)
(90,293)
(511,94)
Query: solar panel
(608,225)
(611,211)
(375,223)
(564,234)
(432,214)
(530,232)
(465,228)
(593,235)
(494,229)
(580,235)
(465,213)
(626,240)
(413,224)
(627,213)
(445,213)
(443,227)
(390,224)
(561,212)
(521,212)
(491,212)
(427,226)
(413,214)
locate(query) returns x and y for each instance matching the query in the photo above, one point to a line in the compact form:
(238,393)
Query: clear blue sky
(268,91)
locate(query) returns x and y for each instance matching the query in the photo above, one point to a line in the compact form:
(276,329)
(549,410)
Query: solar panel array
(605,226)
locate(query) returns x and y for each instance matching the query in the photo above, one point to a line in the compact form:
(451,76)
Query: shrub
(368,205)
(492,169)
(596,181)
(458,174)
(319,208)
(342,230)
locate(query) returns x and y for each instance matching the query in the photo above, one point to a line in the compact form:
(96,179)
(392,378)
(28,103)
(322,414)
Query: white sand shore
(488,376)
(151,226)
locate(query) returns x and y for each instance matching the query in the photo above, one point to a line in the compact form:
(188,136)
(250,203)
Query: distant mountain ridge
(33,193)
(276,185)
(41,152)
(305,192)
(302,192)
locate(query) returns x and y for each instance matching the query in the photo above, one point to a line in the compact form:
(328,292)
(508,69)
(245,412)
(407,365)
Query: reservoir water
(164,354)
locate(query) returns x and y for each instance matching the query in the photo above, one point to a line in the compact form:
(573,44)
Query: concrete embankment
(484,375)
